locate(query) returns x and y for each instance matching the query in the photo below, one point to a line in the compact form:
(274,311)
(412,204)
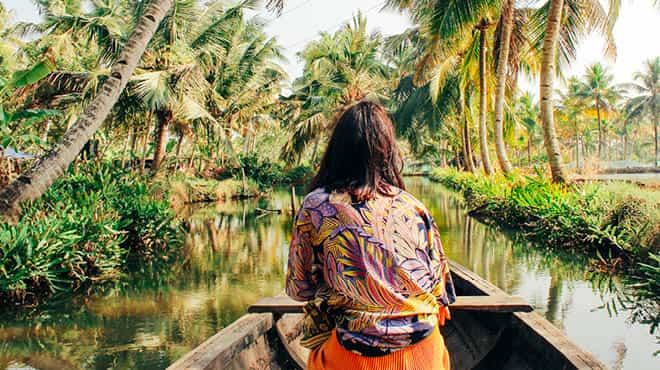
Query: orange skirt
(428,354)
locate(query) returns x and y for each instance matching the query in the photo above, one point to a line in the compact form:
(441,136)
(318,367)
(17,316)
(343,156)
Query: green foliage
(648,278)
(618,223)
(185,189)
(83,231)
(266,173)
(587,218)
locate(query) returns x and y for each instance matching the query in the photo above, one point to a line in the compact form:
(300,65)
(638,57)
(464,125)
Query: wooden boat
(488,330)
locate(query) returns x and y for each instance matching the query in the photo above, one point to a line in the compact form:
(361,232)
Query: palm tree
(444,26)
(647,103)
(179,70)
(340,69)
(71,26)
(547,85)
(247,84)
(570,111)
(507,23)
(36,181)
(564,20)
(483,94)
(527,113)
(597,87)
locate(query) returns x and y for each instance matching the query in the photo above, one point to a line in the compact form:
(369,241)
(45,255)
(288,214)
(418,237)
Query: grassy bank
(92,225)
(185,189)
(618,225)
(248,176)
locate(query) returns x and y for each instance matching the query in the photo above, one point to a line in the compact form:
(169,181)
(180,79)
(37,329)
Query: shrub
(84,230)
(264,172)
(585,217)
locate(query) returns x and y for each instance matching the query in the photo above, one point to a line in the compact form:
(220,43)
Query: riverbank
(247,177)
(233,256)
(94,224)
(99,222)
(616,225)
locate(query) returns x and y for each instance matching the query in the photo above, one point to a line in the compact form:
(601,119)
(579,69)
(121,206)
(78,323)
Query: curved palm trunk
(162,128)
(483,130)
(38,179)
(548,61)
(500,87)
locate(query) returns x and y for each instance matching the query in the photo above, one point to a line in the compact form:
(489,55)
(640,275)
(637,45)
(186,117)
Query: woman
(367,257)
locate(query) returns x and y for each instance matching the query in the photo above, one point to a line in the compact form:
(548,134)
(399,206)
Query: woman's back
(367,257)
(378,264)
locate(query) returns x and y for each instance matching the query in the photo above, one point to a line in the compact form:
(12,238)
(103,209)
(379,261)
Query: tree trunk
(577,151)
(145,149)
(44,135)
(465,129)
(529,150)
(179,144)
(600,130)
(247,136)
(654,109)
(469,159)
(38,179)
(162,128)
(192,152)
(548,60)
(483,101)
(133,144)
(500,87)
(443,154)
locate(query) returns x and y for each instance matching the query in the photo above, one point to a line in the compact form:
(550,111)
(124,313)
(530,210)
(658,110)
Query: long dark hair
(362,157)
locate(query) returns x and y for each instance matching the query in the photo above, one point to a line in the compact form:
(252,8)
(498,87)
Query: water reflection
(234,255)
(556,285)
(231,260)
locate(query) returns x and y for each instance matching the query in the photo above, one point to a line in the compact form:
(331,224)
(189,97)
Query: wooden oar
(498,303)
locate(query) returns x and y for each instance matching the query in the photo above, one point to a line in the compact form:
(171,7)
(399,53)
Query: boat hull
(475,340)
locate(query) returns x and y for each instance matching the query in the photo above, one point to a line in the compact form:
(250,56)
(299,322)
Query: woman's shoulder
(315,198)
(410,200)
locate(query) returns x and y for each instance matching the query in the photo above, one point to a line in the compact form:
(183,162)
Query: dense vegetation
(207,115)
(618,225)
(91,226)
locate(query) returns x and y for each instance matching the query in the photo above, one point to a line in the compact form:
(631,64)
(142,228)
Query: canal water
(234,255)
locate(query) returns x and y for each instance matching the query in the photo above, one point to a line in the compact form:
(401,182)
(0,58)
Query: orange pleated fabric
(428,354)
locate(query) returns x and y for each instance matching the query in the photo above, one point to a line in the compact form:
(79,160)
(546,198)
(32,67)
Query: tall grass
(89,227)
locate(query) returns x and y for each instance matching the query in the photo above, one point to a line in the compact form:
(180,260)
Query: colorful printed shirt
(378,266)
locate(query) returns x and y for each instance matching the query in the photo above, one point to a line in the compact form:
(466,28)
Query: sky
(637,32)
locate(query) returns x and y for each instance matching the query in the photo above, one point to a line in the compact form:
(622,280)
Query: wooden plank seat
(497,303)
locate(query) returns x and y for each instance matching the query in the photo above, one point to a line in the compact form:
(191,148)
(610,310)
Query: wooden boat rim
(225,345)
